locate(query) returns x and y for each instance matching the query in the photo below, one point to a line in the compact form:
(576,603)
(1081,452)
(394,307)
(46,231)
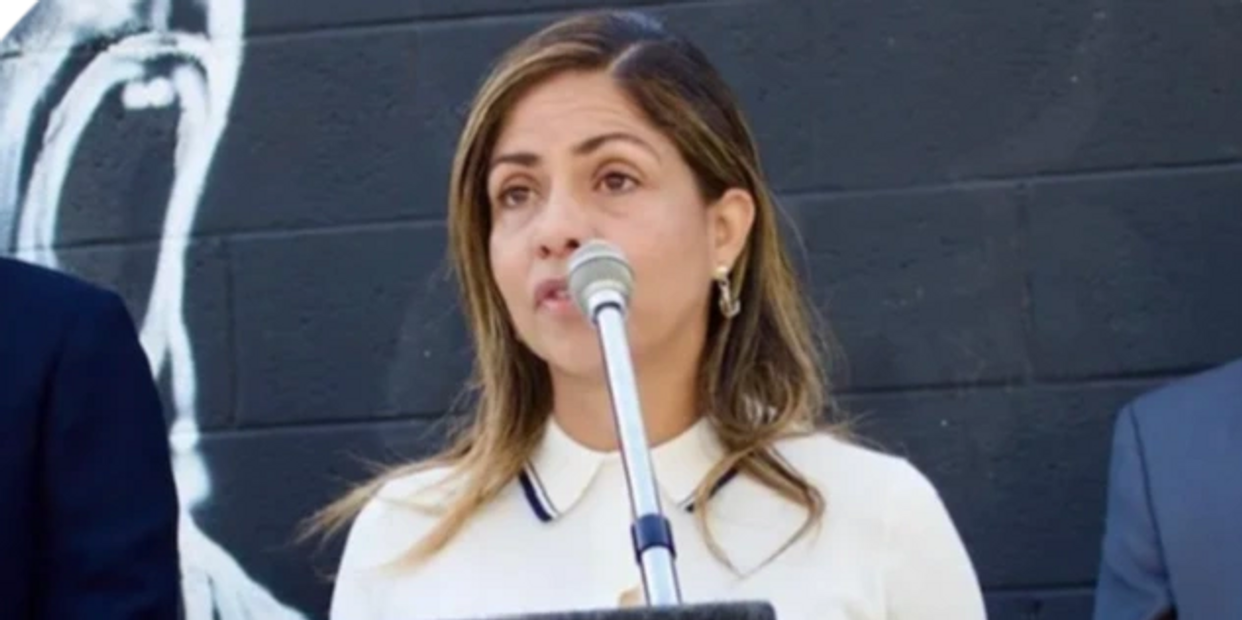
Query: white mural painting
(150,64)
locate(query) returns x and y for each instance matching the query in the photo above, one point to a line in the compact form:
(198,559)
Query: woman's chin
(579,358)
(574,351)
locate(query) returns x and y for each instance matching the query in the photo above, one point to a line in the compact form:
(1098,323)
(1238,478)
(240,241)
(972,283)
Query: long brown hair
(761,377)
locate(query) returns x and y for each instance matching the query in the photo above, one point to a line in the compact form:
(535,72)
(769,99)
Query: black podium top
(705,611)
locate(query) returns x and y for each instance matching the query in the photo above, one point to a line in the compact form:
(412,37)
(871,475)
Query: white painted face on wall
(577,160)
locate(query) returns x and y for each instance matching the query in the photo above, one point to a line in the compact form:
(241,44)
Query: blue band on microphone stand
(651,531)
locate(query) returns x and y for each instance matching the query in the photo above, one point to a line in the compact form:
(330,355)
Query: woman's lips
(553,295)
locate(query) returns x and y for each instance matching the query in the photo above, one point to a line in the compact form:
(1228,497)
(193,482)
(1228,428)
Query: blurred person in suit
(88,507)
(1173,535)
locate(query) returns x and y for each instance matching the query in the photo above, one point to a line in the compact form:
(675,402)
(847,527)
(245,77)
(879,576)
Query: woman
(606,126)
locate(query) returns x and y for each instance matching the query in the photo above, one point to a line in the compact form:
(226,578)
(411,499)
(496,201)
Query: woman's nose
(563,227)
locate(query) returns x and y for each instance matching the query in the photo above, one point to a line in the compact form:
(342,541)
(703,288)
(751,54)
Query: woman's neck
(582,407)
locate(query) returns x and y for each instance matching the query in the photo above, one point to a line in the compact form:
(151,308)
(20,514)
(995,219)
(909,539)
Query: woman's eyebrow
(586,147)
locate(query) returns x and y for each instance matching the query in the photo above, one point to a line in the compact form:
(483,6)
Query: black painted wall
(1016,216)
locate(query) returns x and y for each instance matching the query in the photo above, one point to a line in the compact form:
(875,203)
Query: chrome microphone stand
(600,281)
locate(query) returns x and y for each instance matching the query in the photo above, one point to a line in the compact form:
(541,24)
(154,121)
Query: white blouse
(558,539)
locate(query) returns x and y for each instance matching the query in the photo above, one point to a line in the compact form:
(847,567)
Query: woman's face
(577,161)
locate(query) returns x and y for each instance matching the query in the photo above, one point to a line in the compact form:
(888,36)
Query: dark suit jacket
(88,508)
(1173,538)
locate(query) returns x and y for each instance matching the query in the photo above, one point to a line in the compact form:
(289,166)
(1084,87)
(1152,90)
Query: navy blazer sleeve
(1133,584)
(109,505)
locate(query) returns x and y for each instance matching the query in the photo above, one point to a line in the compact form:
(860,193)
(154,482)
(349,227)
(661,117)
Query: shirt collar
(561,469)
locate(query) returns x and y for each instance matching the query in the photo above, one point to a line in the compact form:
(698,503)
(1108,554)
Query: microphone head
(598,272)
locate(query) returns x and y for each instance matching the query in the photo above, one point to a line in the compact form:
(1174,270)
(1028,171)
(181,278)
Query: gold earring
(730,306)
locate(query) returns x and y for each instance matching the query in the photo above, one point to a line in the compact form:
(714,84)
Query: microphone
(600,281)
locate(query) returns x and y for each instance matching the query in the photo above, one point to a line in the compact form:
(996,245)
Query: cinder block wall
(1015,215)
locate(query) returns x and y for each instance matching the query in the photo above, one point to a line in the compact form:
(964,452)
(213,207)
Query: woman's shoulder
(402,509)
(418,484)
(843,467)
(399,510)
(873,492)
(828,453)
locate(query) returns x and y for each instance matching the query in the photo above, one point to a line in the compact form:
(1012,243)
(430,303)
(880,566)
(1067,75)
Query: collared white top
(558,539)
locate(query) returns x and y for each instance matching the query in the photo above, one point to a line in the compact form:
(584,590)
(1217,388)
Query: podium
(704,611)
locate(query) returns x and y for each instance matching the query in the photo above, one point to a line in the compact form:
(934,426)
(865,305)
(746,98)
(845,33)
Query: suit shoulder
(44,313)
(1213,393)
(38,291)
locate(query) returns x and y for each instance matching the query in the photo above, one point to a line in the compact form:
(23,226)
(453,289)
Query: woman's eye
(515,196)
(618,182)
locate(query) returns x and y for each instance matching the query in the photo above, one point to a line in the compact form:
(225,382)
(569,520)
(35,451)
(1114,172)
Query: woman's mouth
(553,295)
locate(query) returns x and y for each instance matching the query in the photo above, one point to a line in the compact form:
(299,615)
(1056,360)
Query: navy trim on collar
(537,504)
(541,505)
(729,475)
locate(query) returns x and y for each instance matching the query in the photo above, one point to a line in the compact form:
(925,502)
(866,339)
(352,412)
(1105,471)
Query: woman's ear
(731,218)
